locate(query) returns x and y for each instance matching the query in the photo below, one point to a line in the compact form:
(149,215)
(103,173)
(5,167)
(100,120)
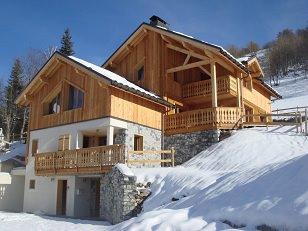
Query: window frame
(138,142)
(141,67)
(34,141)
(71,104)
(56,99)
(64,138)
(32,184)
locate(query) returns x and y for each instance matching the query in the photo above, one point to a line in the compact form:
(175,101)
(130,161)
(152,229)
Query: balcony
(202,119)
(225,85)
(94,160)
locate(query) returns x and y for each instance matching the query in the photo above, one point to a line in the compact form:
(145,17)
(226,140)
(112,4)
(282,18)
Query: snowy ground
(254,177)
(294,90)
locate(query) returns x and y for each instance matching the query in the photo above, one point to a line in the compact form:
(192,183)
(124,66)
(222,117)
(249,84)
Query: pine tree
(67,43)
(13,114)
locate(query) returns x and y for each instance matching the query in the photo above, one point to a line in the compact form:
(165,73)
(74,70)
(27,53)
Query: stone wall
(118,193)
(190,144)
(151,141)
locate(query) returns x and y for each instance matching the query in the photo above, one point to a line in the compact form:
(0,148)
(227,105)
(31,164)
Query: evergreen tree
(67,43)
(13,114)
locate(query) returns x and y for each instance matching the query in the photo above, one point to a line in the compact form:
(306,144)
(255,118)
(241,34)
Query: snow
(243,59)
(294,90)
(254,177)
(124,169)
(16,149)
(112,76)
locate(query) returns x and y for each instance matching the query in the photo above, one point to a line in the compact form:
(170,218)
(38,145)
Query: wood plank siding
(100,100)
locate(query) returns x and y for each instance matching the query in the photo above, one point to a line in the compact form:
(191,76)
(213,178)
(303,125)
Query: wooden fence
(284,117)
(139,157)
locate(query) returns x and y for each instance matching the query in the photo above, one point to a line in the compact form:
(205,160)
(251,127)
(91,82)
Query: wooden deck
(95,160)
(201,119)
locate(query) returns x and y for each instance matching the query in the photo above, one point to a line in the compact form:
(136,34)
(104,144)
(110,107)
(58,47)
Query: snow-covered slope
(293,87)
(294,90)
(254,177)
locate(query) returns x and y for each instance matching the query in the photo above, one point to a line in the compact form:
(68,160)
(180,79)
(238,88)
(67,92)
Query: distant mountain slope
(293,87)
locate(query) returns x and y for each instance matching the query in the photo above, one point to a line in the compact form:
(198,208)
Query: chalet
(159,89)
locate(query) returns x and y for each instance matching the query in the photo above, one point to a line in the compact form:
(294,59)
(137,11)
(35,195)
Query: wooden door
(61,197)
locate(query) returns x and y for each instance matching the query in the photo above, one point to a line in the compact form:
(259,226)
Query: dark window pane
(75,98)
(140,73)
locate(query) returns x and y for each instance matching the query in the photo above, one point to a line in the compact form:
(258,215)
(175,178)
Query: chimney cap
(156,18)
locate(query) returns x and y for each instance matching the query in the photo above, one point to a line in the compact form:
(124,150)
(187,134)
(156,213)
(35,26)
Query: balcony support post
(110,131)
(238,89)
(214,84)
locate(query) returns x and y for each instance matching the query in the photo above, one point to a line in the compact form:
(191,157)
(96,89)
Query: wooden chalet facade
(84,118)
(209,88)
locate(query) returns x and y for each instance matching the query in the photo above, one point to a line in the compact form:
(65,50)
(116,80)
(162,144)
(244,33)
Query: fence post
(172,152)
(297,120)
(306,122)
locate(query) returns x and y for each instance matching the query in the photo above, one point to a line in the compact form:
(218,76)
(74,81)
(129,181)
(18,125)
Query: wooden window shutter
(34,147)
(138,143)
(64,142)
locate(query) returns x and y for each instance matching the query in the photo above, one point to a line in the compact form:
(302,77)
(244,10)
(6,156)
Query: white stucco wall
(44,197)
(11,192)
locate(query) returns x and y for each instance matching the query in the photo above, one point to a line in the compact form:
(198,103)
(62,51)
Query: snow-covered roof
(112,76)
(16,149)
(243,59)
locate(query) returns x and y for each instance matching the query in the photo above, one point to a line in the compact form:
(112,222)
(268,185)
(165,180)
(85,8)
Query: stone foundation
(151,141)
(118,193)
(190,144)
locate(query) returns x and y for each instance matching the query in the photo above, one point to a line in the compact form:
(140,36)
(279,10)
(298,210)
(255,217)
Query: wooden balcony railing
(201,88)
(93,160)
(202,119)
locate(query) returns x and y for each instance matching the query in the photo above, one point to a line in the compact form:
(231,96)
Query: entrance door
(95,197)
(61,197)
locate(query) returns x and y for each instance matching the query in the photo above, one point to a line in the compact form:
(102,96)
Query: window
(54,105)
(32,184)
(138,143)
(75,98)
(34,147)
(64,142)
(140,73)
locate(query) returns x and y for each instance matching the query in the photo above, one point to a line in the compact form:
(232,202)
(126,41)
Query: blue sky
(99,27)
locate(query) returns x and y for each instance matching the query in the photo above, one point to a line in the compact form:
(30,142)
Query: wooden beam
(206,71)
(166,39)
(188,66)
(208,53)
(214,84)
(224,64)
(186,60)
(187,52)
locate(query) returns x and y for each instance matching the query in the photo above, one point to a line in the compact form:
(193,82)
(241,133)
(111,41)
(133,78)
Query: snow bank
(124,169)
(253,177)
